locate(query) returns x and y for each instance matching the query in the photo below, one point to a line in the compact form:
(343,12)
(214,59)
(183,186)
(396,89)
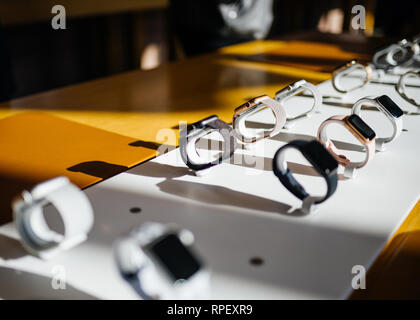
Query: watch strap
(72,205)
(189,137)
(397,123)
(289,181)
(329,144)
(295,88)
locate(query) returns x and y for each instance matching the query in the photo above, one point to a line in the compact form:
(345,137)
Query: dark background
(35,58)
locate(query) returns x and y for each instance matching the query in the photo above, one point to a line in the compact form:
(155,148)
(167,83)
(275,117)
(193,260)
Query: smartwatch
(399,54)
(321,160)
(296,88)
(359,129)
(72,205)
(402,90)
(390,109)
(193,132)
(160,262)
(251,107)
(344,70)
(403,54)
(416,41)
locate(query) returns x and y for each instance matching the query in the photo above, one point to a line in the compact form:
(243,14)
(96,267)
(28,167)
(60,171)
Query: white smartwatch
(392,112)
(159,262)
(244,111)
(71,203)
(292,90)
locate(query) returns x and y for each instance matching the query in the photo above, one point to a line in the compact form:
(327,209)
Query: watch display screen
(361,126)
(390,106)
(175,257)
(318,156)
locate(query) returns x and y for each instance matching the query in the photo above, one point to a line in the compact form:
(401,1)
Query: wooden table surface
(147,106)
(140,103)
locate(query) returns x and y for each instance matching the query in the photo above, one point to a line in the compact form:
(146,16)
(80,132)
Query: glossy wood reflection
(140,103)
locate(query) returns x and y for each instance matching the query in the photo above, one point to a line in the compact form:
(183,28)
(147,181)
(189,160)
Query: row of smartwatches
(322,153)
(403,54)
(394,59)
(160,261)
(364,74)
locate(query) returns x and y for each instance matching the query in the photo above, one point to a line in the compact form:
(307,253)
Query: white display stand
(241,214)
(374,88)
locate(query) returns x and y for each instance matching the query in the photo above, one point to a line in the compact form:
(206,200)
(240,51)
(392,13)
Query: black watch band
(193,132)
(321,160)
(134,281)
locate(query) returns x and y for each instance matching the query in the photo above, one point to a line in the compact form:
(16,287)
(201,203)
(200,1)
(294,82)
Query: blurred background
(105,37)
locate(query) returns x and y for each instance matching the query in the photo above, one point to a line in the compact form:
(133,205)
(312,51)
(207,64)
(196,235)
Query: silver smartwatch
(294,89)
(195,131)
(160,262)
(392,112)
(404,54)
(72,205)
(398,54)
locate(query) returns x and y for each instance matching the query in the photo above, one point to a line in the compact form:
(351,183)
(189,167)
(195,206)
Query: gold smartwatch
(359,129)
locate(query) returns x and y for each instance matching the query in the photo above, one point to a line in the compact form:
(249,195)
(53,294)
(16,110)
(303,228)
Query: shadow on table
(304,256)
(265,163)
(11,187)
(161,148)
(100,169)
(105,170)
(11,249)
(210,194)
(288,137)
(253,161)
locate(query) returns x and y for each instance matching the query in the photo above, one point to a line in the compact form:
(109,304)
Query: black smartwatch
(193,132)
(319,157)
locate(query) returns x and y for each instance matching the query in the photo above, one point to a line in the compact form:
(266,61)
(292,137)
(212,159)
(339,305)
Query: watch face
(361,126)
(176,258)
(319,157)
(390,106)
